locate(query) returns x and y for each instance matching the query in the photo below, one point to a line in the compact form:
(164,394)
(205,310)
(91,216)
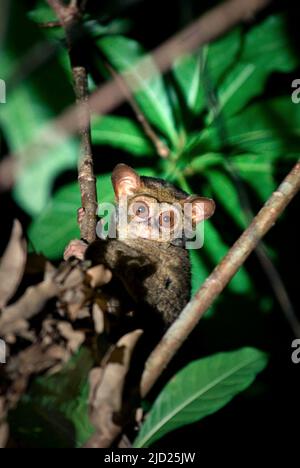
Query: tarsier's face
(149,218)
(153,209)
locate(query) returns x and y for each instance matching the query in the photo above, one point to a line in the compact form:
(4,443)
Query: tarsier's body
(151,262)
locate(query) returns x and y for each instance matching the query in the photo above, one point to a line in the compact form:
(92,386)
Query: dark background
(264,414)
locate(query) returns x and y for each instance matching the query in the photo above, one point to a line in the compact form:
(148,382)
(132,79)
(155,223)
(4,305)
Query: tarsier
(147,255)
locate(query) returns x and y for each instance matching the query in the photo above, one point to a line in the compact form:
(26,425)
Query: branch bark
(220,277)
(70,19)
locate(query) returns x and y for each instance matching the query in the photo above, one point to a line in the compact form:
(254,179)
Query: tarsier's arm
(115,255)
(163,285)
(101,251)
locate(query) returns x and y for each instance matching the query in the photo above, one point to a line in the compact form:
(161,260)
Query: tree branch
(86,177)
(70,20)
(220,277)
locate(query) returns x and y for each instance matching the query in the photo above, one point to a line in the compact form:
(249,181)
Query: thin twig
(70,19)
(161,148)
(220,277)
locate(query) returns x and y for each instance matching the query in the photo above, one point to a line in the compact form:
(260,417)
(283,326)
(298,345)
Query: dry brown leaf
(4,430)
(74,338)
(74,290)
(84,313)
(32,360)
(53,341)
(107,397)
(50,272)
(13,318)
(19,369)
(98,317)
(12,265)
(124,443)
(63,271)
(99,276)
(112,383)
(4,434)
(74,279)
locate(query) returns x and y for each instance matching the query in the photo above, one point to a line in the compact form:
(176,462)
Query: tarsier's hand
(76,248)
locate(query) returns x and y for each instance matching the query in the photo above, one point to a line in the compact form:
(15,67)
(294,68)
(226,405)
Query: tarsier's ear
(202,208)
(125,180)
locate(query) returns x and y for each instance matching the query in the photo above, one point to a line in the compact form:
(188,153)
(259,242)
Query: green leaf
(267,49)
(42,13)
(57,407)
(57,225)
(121,133)
(197,73)
(35,183)
(127,55)
(216,249)
(199,270)
(270,129)
(30,105)
(187,71)
(201,164)
(225,191)
(200,389)
(116,26)
(257,172)
(222,54)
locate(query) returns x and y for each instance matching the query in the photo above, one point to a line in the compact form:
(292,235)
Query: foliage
(33,100)
(54,420)
(212,382)
(227,136)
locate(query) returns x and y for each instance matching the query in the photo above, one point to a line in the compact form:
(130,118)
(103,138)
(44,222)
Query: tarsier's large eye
(140,209)
(167,219)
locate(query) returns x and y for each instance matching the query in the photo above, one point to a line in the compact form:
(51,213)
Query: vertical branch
(86,176)
(70,19)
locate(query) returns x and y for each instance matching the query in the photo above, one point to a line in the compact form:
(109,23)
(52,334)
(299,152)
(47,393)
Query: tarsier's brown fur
(155,273)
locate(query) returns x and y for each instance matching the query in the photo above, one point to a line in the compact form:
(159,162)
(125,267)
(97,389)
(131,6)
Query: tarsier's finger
(76,248)
(80,215)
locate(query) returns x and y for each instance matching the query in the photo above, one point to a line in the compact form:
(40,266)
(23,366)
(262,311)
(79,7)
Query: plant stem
(162,150)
